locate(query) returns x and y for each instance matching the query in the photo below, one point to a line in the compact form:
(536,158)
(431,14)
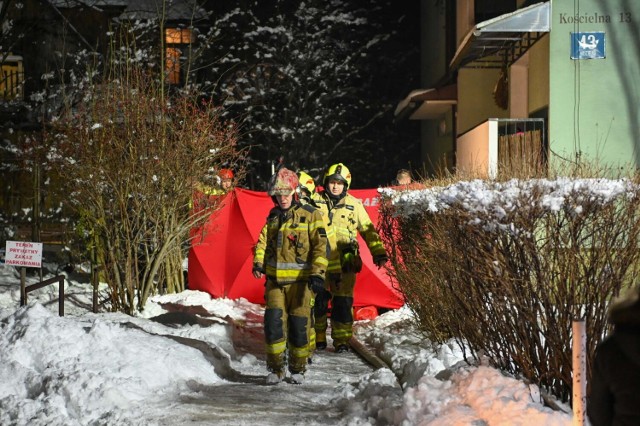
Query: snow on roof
(177,10)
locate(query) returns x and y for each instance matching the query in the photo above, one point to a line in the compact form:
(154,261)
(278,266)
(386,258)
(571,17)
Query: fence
(11,83)
(24,289)
(505,146)
(521,143)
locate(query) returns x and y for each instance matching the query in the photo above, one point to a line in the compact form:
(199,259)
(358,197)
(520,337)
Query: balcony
(11,78)
(509,147)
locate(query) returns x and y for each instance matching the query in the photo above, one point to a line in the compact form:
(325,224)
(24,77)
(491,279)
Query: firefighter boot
(297,378)
(275,365)
(275,377)
(321,340)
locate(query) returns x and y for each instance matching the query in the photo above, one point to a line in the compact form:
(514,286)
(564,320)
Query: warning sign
(23,253)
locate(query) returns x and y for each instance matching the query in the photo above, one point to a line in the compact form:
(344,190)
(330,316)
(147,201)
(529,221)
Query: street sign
(23,253)
(587,45)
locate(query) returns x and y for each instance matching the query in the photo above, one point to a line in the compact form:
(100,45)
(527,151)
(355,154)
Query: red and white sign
(23,253)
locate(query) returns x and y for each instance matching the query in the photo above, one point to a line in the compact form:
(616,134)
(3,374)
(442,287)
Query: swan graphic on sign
(587,45)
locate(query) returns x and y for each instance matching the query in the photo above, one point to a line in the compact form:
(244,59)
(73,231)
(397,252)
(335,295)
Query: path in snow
(246,400)
(255,403)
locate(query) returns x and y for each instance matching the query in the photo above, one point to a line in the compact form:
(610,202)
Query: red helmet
(284,182)
(225,174)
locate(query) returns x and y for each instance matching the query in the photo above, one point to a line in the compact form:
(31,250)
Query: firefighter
(222,183)
(306,189)
(226,180)
(206,195)
(292,253)
(347,217)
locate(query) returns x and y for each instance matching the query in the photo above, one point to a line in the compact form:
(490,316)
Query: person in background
(307,187)
(226,180)
(403,177)
(615,375)
(347,217)
(292,253)
(206,194)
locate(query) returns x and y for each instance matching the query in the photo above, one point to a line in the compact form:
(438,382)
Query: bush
(132,158)
(504,268)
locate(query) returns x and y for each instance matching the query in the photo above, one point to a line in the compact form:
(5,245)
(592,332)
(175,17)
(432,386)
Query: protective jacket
(292,245)
(205,196)
(210,190)
(331,235)
(347,217)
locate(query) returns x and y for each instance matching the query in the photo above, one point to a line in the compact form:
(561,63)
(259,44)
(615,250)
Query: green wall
(595,103)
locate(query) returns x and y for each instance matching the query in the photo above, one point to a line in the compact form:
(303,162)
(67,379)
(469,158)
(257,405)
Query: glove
(316,284)
(257,270)
(347,262)
(380,260)
(351,263)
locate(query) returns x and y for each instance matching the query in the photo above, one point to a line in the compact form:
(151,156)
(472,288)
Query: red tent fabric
(221,255)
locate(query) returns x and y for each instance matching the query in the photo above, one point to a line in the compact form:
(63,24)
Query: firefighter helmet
(306,183)
(284,182)
(338,172)
(225,174)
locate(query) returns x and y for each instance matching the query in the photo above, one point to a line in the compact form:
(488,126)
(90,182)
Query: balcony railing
(514,147)
(11,77)
(11,84)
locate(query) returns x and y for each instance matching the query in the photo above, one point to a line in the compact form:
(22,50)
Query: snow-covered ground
(112,369)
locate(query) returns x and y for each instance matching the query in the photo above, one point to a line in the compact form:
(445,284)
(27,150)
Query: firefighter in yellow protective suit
(307,187)
(292,252)
(207,195)
(347,217)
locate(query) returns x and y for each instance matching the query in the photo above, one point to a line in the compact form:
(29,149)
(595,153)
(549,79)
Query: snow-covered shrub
(132,157)
(505,267)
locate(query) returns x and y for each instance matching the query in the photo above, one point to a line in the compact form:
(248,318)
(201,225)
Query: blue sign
(587,45)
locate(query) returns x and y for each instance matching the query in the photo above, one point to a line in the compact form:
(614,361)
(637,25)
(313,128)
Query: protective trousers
(312,331)
(287,322)
(341,297)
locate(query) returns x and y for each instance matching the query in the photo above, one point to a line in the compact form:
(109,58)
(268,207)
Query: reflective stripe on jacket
(292,245)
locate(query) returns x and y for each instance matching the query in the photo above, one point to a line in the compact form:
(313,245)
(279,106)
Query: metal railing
(510,126)
(94,284)
(522,144)
(11,84)
(511,146)
(24,289)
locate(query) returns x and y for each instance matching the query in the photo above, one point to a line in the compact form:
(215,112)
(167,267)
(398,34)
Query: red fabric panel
(221,256)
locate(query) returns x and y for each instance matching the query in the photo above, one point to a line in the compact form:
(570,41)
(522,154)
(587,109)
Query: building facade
(540,84)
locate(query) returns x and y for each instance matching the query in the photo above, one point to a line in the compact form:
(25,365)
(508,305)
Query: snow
(494,199)
(209,368)
(114,369)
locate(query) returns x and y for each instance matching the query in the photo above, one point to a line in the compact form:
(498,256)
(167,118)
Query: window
(11,77)
(178,35)
(488,9)
(172,58)
(175,40)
